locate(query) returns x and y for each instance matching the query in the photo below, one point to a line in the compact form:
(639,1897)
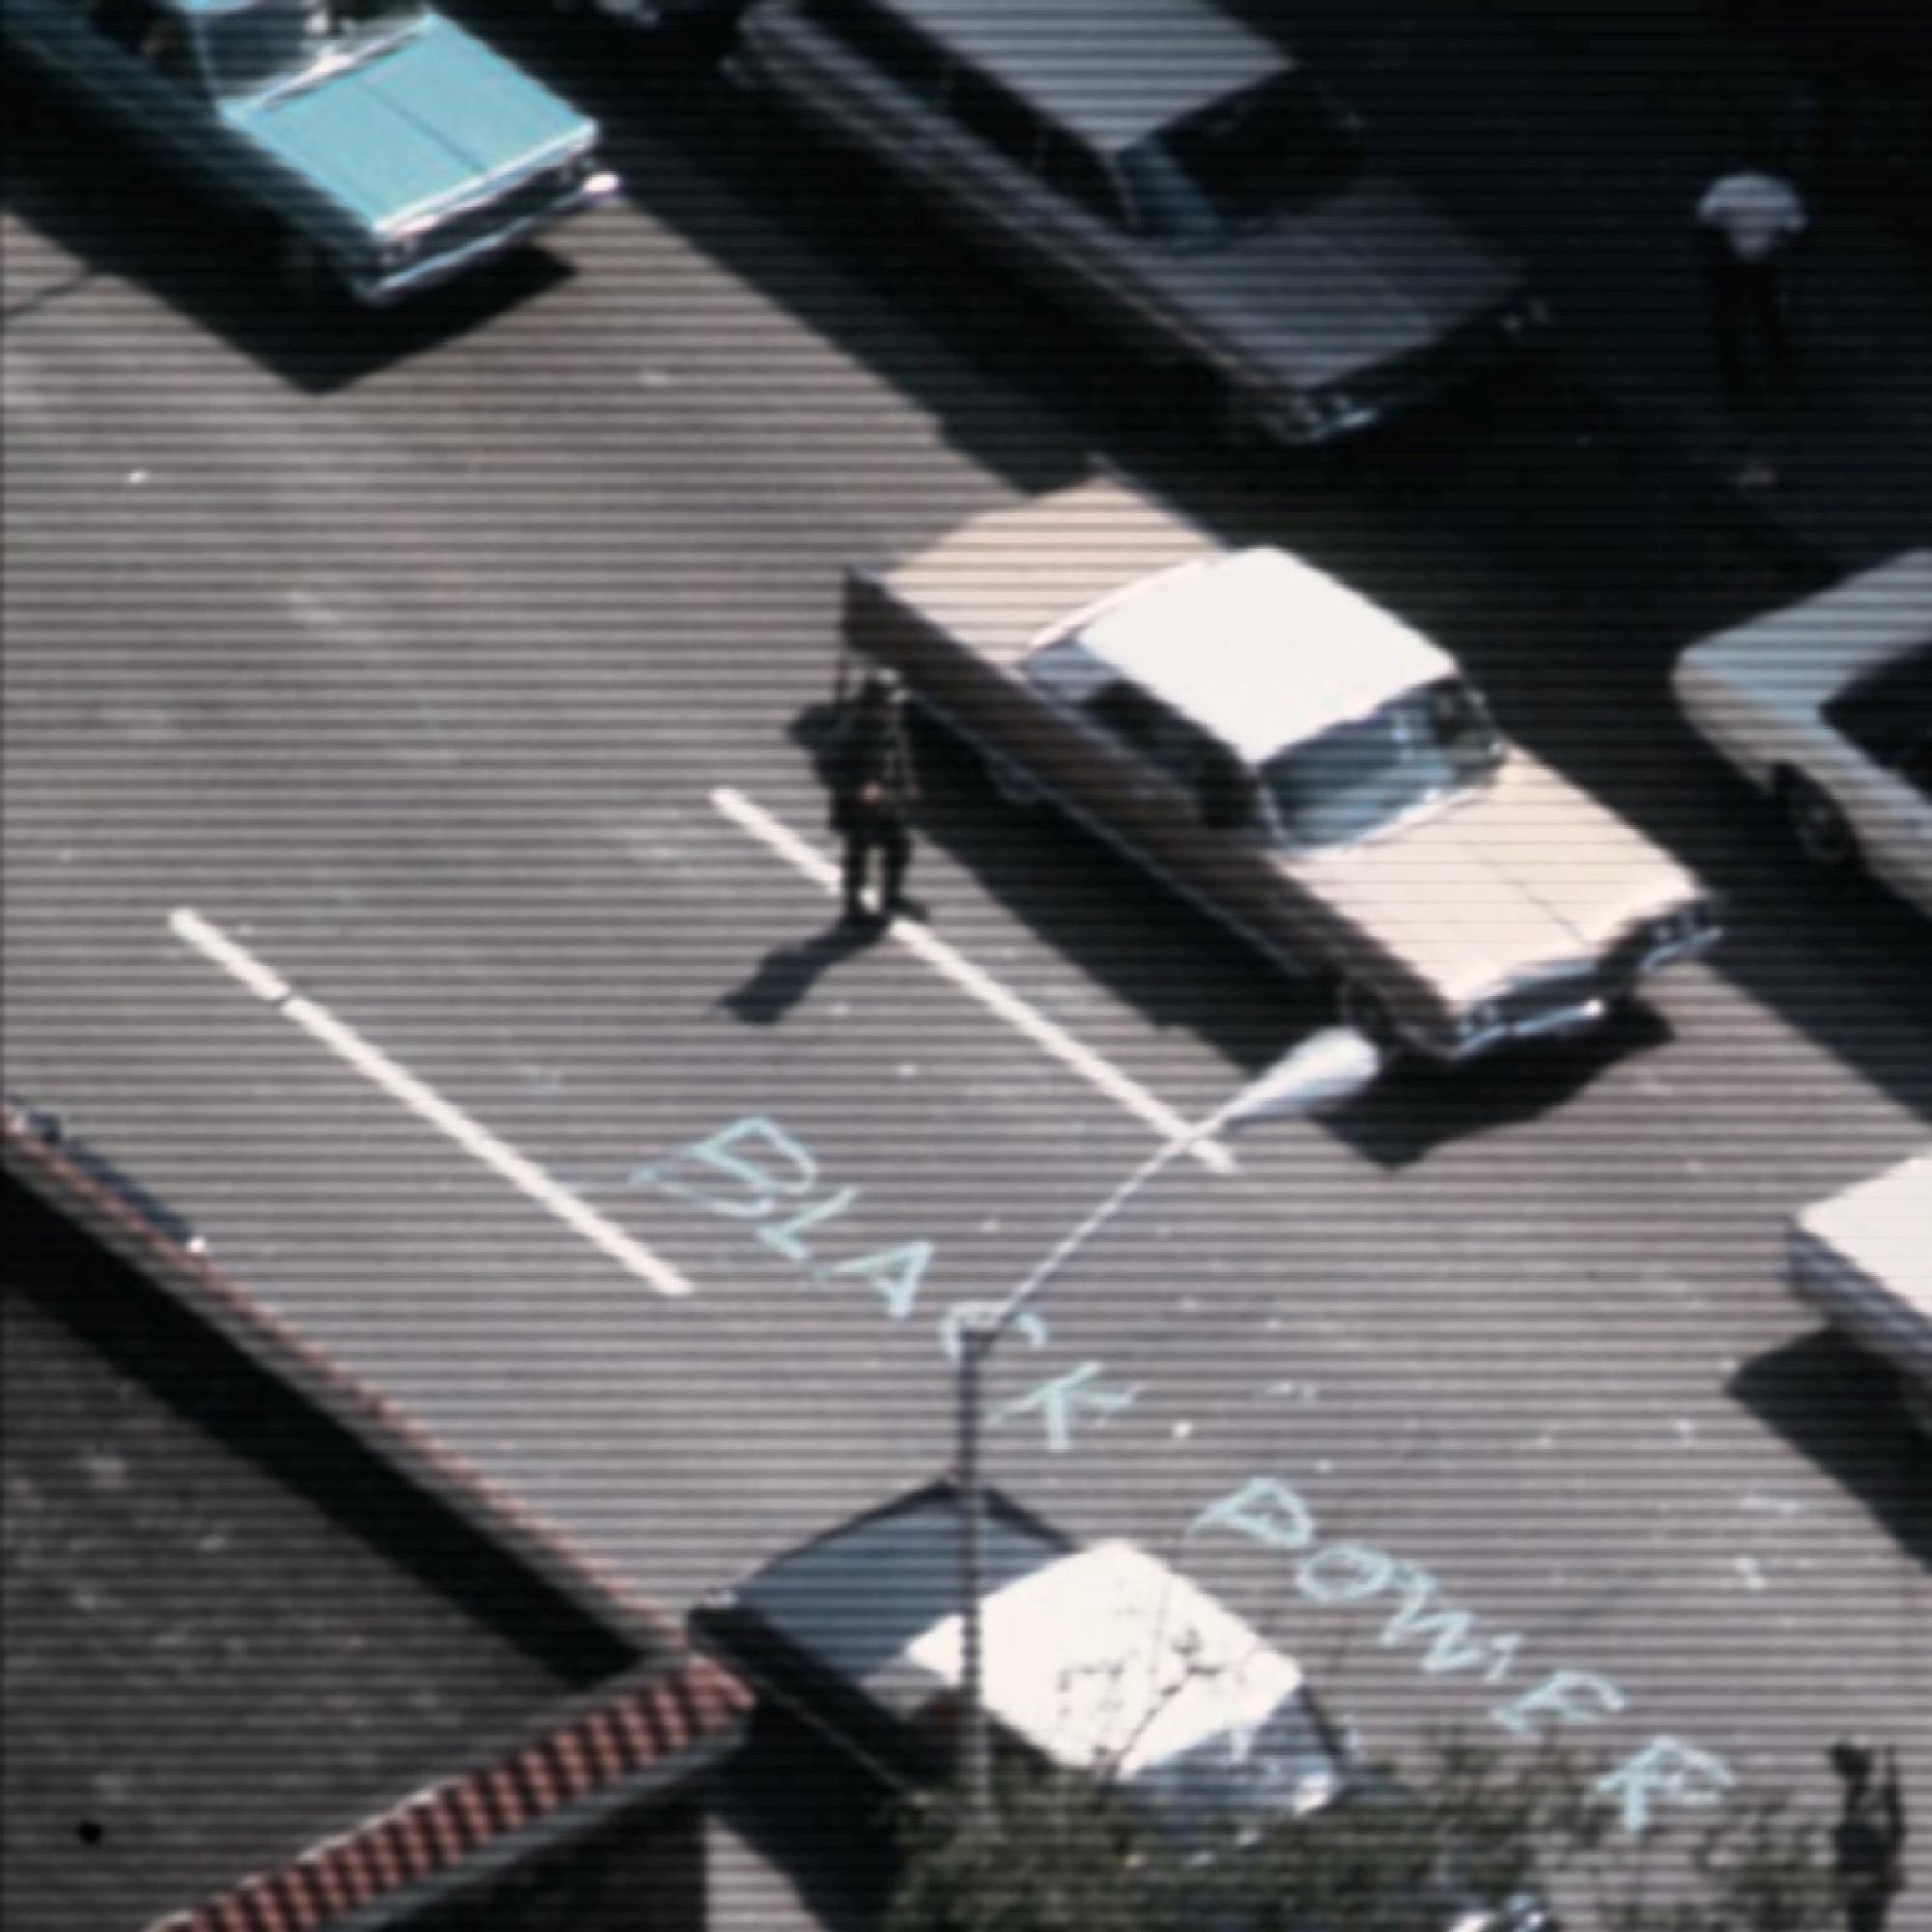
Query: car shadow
(93,197)
(1183,970)
(1418,1105)
(1090,904)
(1841,1407)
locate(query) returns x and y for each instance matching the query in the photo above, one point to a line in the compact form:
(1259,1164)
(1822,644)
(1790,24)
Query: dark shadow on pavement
(830,1830)
(95,198)
(1418,1105)
(1841,1408)
(1122,928)
(1181,969)
(786,973)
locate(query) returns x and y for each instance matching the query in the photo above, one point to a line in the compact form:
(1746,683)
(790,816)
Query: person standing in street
(868,768)
(1868,1843)
(1747,223)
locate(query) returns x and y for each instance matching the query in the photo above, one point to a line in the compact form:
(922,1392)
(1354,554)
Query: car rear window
(857,1599)
(1888,713)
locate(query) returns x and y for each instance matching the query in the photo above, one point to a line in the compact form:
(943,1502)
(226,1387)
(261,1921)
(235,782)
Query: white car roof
(1808,651)
(1883,1228)
(1108,1660)
(1258,648)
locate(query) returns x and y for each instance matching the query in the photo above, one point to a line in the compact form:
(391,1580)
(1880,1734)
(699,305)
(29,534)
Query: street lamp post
(1324,1071)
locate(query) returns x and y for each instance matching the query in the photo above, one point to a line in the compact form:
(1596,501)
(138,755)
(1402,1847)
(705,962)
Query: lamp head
(1327,1069)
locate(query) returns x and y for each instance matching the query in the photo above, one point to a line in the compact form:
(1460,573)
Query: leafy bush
(1071,1854)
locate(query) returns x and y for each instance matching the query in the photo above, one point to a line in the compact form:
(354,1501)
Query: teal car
(391,149)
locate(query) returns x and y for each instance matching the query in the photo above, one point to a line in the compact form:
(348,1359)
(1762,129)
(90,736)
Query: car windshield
(1285,1765)
(1279,145)
(1372,771)
(274,40)
(1888,713)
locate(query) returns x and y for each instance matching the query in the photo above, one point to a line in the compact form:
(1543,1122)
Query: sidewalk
(1843,459)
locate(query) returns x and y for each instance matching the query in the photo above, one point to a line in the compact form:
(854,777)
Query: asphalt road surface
(459,667)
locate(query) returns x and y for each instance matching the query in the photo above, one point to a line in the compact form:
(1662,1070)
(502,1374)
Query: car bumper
(1378,394)
(379,291)
(1578,1004)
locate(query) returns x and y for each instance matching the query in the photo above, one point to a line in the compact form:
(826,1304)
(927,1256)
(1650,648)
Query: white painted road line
(319,1024)
(952,964)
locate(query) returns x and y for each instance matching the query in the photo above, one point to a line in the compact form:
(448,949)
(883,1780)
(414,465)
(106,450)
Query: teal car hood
(433,121)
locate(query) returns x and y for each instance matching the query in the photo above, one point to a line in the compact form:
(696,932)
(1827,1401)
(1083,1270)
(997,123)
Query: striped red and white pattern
(639,1728)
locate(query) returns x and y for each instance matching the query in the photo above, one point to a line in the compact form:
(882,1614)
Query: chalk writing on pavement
(754,1173)
(1450,1639)
(746,1171)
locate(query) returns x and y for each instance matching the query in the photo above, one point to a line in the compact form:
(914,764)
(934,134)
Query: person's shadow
(788,973)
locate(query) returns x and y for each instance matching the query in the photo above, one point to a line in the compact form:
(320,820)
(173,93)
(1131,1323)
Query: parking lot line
(952,964)
(478,1142)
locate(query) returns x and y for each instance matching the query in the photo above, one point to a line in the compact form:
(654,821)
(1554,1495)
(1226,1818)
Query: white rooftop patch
(1260,649)
(1109,1661)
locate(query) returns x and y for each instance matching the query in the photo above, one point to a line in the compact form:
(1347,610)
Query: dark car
(1096,1659)
(1163,167)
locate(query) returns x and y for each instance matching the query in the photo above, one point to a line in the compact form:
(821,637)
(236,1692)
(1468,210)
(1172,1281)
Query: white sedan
(1827,705)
